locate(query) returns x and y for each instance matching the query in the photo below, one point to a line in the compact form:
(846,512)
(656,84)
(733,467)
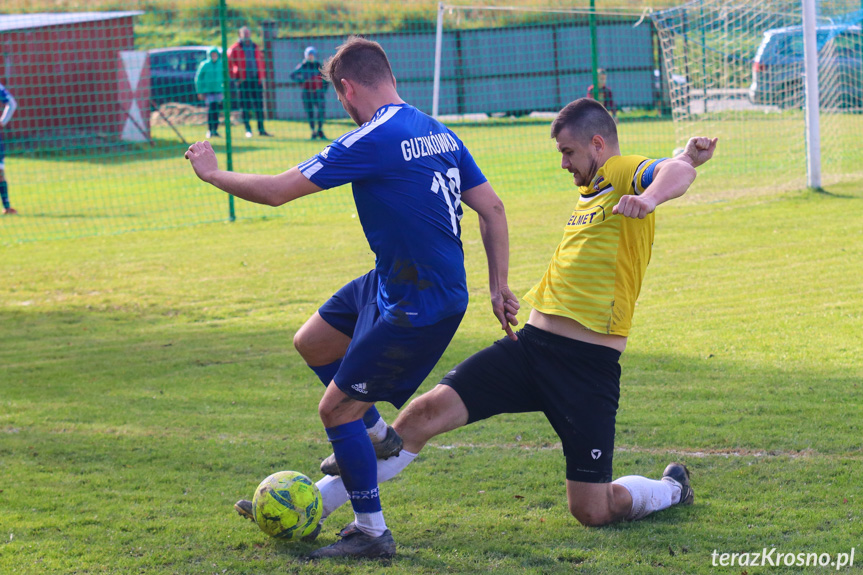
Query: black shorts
(575,384)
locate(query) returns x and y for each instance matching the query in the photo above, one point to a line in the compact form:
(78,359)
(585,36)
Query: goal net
(736,70)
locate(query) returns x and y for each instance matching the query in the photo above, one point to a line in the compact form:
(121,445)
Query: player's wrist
(652,203)
(497,287)
(211,177)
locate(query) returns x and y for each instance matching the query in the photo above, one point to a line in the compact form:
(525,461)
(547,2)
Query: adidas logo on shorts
(595,453)
(361,387)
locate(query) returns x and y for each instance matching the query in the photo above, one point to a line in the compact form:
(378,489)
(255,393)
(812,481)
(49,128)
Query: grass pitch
(148,381)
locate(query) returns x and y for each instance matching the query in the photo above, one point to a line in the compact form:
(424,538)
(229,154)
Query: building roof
(9,22)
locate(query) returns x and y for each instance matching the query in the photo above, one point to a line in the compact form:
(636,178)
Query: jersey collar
(382,110)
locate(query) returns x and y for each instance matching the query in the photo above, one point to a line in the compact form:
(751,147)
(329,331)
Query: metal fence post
(594,54)
(269,32)
(227,98)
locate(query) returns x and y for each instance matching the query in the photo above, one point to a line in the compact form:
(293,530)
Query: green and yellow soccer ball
(287,505)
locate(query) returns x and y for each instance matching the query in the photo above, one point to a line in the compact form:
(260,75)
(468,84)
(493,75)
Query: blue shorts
(384,362)
(2,152)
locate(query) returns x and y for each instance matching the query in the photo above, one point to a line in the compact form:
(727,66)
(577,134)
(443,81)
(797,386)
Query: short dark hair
(586,118)
(359,60)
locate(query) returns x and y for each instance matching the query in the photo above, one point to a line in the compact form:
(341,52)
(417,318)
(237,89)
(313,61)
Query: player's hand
(699,150)
(634,207)
(505,306)
(203,159)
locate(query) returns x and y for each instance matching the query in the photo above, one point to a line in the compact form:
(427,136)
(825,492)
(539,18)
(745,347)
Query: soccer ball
(287,505)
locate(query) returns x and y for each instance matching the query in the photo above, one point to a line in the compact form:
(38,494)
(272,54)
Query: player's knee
(590,516)
(318,348)
(325,412)
(300,342)
(305,346)
(428,415)
(423,412)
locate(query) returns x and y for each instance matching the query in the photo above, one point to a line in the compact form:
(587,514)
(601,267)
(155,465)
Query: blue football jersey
(5,116)
(408,171)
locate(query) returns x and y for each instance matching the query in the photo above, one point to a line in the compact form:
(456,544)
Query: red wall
(65,77)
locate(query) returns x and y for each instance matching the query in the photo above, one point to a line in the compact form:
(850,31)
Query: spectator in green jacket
(209,84)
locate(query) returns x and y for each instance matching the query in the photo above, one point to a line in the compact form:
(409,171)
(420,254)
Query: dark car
(172,73)
(777,69)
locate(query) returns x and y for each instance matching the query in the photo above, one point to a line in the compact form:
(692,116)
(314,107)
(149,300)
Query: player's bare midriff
(572,329)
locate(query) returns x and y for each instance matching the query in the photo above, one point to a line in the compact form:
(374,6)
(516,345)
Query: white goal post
(810,72)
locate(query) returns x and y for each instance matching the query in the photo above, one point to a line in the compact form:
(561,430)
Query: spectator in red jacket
(246,66)
(605,97)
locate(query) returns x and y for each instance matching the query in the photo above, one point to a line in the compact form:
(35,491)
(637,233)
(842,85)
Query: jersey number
(451,186)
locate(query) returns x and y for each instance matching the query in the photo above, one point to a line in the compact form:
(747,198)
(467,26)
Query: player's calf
(434,412)
(597,504)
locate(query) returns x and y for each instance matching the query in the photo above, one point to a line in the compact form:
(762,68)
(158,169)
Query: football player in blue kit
(9,105)
(380,335)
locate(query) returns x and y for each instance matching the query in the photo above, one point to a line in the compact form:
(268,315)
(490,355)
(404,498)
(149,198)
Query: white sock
(389,468)
(649,495)
(333,493)
(378,431)
(371,524)
(333,489)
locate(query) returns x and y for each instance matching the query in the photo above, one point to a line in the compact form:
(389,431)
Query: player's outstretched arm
(261,189)
(698,150)
(671,179)
(495,238)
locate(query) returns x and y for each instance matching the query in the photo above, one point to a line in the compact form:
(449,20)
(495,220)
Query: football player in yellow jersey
(565,361)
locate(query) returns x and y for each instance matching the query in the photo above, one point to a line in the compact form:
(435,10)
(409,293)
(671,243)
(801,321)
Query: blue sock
(4,194)
(371,417)
(358,465)
(326,373)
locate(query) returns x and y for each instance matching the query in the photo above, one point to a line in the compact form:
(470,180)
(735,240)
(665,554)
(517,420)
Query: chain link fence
(109,96)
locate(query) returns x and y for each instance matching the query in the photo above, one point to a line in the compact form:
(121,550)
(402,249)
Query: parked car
(172,73)
(777,69)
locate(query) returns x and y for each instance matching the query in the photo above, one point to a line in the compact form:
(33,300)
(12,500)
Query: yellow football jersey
(596,272)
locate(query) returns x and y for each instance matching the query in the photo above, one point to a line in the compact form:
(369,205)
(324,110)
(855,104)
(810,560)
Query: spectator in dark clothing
(605,96)
(308,73)
(246,66)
